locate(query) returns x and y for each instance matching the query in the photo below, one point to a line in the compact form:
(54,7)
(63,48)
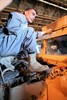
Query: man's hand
(49,31)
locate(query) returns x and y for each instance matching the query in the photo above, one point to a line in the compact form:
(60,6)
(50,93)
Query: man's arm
(4,3)
(41,33)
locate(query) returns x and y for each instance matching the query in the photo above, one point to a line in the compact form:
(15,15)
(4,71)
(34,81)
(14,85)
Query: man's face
(30,15)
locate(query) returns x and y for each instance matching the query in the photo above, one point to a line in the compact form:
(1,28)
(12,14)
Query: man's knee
(31,29)
(30,32)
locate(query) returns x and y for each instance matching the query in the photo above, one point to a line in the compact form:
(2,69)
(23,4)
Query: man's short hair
(28,8)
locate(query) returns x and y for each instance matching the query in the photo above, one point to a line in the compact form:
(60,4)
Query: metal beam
(52,4)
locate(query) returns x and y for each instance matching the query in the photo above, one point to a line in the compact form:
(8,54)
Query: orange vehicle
(53,51)
(54,46)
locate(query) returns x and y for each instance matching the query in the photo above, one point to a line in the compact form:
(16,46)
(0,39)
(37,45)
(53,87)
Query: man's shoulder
(18,14)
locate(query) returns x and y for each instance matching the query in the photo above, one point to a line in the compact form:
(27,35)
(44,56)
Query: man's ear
(26,12)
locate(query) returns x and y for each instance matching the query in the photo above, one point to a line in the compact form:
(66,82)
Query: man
(16,36)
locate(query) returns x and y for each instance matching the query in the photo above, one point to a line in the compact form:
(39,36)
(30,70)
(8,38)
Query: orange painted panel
(59,29)
(55,90)
(61,22)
